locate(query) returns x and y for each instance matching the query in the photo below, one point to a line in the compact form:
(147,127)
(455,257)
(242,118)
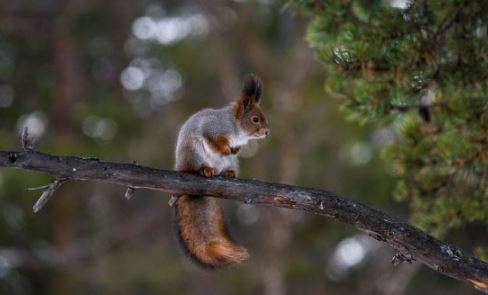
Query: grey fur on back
(193,150)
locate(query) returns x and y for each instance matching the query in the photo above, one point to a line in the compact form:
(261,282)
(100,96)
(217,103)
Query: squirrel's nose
(266,131)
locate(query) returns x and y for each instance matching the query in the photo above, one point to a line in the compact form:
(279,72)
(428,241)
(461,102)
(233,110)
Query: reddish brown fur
(201,226)
(206,171)
(245,115)
(247,107)
(228,173)
(220,144)
(199,220)
(186,166)
(238,108)
(209,246)
(202,230)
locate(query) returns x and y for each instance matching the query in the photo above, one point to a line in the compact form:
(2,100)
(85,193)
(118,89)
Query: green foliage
(111,246)
(421,70)
(62,65)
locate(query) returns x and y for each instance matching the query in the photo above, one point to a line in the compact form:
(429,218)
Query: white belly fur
(215,160)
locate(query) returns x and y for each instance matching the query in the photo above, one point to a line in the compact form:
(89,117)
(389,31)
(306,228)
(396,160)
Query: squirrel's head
(247,110)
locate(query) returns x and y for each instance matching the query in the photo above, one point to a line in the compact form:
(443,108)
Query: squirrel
(208,144)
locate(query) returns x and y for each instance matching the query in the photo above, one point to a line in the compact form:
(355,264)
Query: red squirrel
(208,144)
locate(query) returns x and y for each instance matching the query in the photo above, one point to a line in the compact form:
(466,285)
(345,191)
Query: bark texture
(411,243)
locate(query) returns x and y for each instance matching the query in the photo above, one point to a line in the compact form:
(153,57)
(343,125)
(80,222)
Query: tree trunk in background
(277,222)
(119,34)
(67,91)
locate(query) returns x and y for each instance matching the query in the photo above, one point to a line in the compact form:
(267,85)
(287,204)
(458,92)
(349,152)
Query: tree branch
(410,242)
(47,194)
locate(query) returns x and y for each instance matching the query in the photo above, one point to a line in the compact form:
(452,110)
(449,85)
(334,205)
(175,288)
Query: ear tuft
(252,88)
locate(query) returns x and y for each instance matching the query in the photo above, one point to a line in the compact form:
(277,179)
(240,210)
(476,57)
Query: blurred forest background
(115,79)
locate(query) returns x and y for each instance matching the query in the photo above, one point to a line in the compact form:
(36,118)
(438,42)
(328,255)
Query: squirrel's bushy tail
(203,233)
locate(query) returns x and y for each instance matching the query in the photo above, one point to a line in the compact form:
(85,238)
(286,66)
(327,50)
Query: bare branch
(47,194)
(400,258)
(410,242)
(129,193)
(37,188)
(27,141)
(172,200)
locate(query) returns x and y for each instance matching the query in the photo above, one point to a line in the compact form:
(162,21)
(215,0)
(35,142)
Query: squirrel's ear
(241,106)
(252,89)
(246,102)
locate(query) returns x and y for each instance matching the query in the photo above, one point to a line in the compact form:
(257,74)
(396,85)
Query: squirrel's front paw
(226,150)
(235,150)
(228,173)
(206,171)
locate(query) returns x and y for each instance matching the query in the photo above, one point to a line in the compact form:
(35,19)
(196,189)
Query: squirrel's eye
(255,119)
